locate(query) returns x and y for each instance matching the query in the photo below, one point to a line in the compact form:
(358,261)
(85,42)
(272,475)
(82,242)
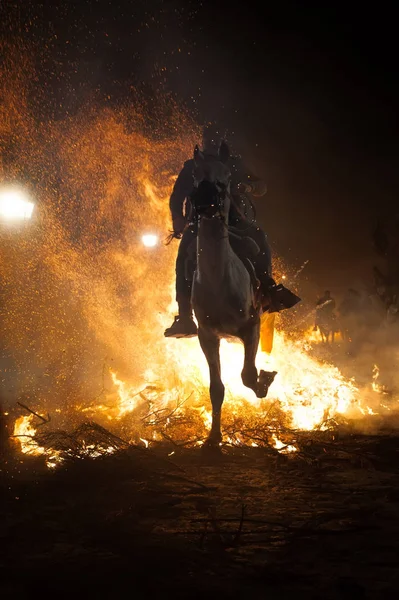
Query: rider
(325,310)
(243,183)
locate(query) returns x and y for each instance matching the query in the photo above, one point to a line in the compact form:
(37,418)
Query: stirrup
(182,327)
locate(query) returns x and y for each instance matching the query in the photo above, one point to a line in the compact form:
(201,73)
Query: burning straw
(79,284)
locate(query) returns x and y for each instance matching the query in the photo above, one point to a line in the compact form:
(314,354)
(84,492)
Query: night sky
(310,92)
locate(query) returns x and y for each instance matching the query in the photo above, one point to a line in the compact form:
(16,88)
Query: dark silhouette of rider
(243,184)
(325,307)
(326,303)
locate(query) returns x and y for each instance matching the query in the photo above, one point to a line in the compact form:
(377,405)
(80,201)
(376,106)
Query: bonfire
(91,278)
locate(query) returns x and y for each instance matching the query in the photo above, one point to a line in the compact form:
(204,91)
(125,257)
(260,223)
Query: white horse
(224,295)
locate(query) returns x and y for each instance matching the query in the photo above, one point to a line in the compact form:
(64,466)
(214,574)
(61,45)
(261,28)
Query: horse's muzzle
(207,199)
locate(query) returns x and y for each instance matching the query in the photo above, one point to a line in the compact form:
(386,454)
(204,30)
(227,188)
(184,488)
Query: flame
(128,398)
(376,386)
(82,286)
(281,447)
(313,336)
(25,432)
(308,390)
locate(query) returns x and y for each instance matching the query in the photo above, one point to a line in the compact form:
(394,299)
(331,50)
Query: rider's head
(210,139)
(327,294)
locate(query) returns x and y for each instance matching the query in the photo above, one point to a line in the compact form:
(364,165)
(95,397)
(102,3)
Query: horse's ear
(198,156)
(224,152)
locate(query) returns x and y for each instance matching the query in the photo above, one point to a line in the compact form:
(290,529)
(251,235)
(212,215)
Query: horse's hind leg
(249,375)
(210,344)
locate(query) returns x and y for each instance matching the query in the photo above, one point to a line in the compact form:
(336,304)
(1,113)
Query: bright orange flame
(25,432)
(281,447)
(309,392)
(82,286)
(376,386)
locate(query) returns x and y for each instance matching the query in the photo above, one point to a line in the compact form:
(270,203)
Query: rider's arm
(182,188)
(256,186)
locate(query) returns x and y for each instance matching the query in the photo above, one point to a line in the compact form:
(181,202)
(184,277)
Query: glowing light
(150,240)
(281,447)
(376,386)
(14,205)
(163,391)
(24,430)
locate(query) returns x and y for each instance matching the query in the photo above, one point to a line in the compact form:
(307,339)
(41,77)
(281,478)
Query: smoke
(368,354)
(79,290)
(78,286)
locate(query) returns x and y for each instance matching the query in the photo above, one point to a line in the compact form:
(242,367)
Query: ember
(81,287)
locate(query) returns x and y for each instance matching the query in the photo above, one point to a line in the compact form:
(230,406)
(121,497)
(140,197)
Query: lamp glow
(14,205)
(149,240)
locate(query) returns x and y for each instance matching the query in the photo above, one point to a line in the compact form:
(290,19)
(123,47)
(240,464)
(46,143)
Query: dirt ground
(321,524)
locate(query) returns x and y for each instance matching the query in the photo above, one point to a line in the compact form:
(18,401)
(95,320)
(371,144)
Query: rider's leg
(183,286)
(263,261)
(275,297)
(183,325)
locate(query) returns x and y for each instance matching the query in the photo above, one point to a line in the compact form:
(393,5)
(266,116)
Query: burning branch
(32,412)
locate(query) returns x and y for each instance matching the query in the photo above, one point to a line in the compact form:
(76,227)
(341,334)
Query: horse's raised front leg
(249,375)
(210,344)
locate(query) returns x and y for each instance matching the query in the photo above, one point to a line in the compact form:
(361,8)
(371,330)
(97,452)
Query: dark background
(308,94)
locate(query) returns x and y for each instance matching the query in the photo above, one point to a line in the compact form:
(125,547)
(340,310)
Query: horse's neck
(213,251)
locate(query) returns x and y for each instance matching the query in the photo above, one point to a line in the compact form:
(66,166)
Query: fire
(376,374)
(313,336)
(25,432)
(82,286)
(128,398)
(309,391)
(281,447)
(376,386)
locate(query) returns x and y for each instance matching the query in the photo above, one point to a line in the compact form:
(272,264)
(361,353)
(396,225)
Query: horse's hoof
(265,380)
(212,444)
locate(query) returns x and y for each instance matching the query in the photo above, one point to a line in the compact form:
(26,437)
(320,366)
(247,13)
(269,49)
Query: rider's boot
(276,297)
(183,326)
(267,287)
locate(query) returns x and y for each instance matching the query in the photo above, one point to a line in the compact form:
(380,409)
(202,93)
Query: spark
(92,296)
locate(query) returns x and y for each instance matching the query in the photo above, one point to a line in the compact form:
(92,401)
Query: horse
(327,326)
(224,295)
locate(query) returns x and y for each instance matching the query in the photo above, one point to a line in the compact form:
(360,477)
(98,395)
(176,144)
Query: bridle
(208,200)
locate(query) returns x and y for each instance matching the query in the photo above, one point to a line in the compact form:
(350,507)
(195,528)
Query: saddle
(247,249)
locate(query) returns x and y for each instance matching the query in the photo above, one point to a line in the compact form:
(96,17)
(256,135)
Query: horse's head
(211,196)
